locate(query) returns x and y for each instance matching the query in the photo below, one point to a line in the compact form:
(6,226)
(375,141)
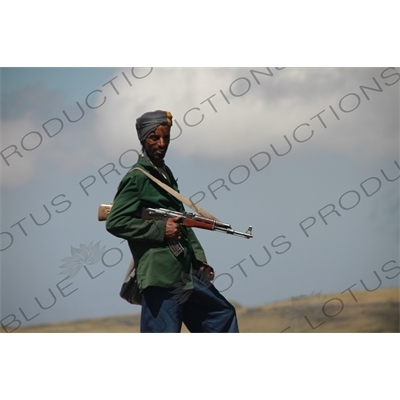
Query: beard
(156,154)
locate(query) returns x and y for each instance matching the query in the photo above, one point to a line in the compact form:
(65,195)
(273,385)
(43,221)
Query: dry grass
(372,312)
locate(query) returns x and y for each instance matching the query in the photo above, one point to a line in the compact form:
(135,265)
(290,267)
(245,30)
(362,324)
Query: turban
(149,121)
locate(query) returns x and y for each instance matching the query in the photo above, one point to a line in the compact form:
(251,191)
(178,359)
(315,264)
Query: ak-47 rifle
(194,221)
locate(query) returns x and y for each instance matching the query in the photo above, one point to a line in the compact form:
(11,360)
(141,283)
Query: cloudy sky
(308,156)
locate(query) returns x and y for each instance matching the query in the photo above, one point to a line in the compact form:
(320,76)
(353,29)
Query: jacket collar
(150,167)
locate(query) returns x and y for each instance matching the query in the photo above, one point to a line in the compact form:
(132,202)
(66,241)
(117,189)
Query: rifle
(192,220)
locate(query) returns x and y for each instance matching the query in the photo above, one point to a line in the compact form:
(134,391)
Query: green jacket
(156,264)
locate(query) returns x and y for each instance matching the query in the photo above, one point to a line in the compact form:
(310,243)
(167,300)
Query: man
(172,270)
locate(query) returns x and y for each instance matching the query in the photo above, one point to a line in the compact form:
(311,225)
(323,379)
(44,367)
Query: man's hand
(206,271)
(173,229)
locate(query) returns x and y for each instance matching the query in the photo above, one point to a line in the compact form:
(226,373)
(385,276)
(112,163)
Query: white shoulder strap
(180,197)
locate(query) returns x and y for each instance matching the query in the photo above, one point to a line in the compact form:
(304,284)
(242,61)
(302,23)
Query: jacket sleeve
(198,250)
(122,220)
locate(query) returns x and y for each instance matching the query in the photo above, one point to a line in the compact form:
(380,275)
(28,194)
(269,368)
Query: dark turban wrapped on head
(149,121)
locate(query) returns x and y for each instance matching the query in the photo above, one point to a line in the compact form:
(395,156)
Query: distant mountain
(347,312)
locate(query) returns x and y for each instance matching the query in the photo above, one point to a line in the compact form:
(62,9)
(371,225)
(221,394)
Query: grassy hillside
(348,312)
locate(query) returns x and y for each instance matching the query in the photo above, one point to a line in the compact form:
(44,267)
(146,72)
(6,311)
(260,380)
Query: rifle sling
(179,196)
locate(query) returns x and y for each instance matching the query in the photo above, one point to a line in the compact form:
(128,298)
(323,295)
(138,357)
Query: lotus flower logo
(80,257)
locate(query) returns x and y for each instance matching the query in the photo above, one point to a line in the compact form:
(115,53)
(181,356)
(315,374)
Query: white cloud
(264,109)
(262,116)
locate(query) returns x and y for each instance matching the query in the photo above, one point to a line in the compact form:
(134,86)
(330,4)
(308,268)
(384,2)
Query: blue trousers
(202,310)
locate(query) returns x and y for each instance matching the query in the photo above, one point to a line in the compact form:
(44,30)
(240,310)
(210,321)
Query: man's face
(156,144)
